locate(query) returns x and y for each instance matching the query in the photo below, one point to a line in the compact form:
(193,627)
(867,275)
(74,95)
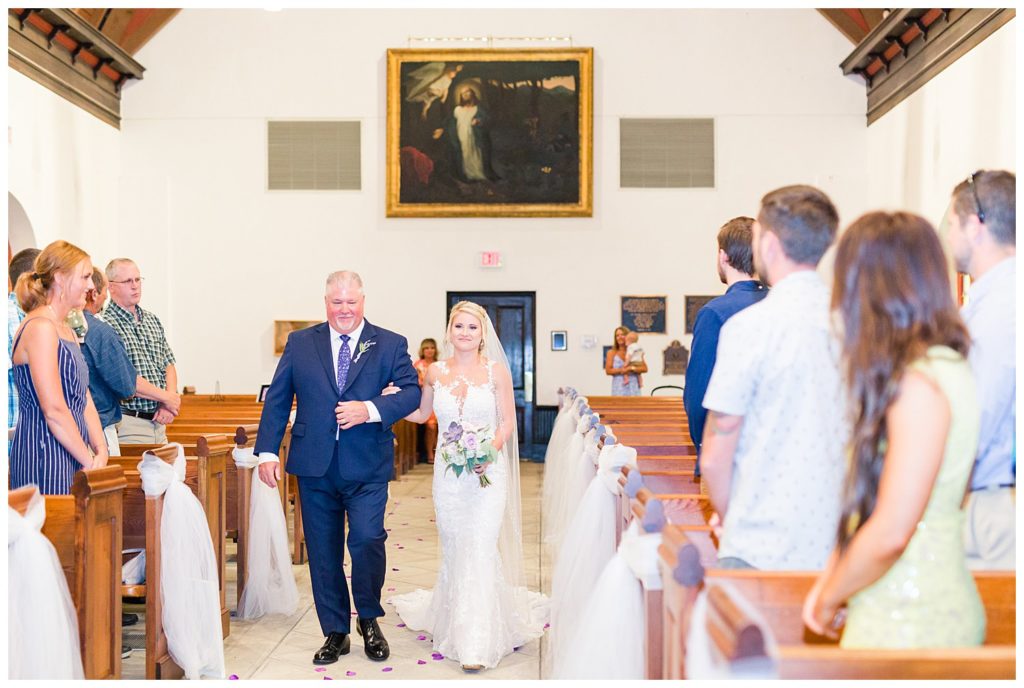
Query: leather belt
(144,415)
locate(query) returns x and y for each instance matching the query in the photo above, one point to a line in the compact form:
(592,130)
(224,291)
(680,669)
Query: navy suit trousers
(327,503)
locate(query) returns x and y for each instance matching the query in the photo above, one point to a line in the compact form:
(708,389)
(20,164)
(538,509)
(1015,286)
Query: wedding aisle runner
(278,647)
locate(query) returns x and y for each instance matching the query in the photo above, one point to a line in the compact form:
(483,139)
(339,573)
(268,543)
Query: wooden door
(513,316)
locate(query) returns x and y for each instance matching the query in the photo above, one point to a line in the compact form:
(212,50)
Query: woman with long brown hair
(625,376)
(57,421)
(900,566)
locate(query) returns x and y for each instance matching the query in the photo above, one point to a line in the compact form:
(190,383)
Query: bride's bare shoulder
(435,370)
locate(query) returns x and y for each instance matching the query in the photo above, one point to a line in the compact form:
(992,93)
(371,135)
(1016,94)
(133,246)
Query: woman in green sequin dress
(900,567)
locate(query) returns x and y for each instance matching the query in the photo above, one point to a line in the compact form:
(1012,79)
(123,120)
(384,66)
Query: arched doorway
(19,229)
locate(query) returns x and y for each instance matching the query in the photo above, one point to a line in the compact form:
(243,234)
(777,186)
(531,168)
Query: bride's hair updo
(33,288)
(473,309)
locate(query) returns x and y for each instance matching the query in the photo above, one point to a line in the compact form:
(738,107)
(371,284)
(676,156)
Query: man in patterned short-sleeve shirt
(773,440)
(144,420)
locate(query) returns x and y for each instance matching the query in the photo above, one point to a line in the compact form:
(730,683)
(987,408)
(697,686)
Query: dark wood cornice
(64,53)
(910,46)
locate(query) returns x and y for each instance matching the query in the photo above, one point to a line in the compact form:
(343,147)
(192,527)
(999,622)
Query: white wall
(196,215)
(965,119)
(63,167)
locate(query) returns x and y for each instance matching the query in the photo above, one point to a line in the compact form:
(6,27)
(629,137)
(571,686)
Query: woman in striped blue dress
(58,429)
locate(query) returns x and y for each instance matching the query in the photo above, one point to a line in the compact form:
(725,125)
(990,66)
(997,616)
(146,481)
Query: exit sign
(490,259)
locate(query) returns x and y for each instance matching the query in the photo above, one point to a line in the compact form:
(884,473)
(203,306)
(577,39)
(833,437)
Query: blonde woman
(479,610)
(58,429)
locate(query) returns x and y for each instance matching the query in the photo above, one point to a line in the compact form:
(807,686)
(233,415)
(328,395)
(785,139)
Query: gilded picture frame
(490,133)
(283,328)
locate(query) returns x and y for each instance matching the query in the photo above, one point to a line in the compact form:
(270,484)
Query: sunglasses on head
(977,200)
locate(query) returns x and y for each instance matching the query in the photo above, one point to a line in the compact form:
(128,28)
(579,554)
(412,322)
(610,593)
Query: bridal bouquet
(466,446)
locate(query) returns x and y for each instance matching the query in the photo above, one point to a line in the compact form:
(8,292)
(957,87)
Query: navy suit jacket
(307,373)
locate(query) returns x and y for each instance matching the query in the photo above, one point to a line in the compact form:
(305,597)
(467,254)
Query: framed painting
(693,306)
(490,133)
(283,328)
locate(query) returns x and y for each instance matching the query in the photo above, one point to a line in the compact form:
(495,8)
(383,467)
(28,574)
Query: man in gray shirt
(983,240)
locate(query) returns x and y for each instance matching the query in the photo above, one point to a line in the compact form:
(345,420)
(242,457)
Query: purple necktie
(344,361)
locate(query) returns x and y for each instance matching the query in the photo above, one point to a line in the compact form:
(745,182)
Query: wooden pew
(678,488)
(141,517)
(779,597)
(85,529)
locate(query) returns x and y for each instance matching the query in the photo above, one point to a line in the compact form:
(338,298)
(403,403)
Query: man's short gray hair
(112,266)
(344,277)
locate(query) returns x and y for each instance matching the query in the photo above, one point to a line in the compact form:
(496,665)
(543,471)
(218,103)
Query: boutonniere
(363,348)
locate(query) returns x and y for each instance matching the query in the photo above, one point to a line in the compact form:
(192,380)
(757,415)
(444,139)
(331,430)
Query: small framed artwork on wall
(559,340)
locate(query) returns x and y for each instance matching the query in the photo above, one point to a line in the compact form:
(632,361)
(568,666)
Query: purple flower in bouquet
(471,441)
(453,434)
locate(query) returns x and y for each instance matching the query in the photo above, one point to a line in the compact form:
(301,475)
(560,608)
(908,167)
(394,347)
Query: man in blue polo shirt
(736,270)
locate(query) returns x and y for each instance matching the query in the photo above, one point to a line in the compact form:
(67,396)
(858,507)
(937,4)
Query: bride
(479,610)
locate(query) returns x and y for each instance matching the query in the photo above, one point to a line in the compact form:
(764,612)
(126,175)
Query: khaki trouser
(990,532)
(132,430)
(113,446)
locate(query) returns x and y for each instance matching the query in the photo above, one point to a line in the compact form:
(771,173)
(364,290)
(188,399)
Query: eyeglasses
(136,280)
(977,200)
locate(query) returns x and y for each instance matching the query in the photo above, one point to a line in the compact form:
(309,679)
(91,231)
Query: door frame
(529,362)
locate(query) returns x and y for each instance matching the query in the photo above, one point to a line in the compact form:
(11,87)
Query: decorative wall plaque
(283,328)
(676,358)
(644,314)
(694,304)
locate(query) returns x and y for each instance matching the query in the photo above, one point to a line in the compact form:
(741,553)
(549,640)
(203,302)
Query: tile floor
(277,647)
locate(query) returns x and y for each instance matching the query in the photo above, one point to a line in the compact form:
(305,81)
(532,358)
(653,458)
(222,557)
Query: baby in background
(635,354)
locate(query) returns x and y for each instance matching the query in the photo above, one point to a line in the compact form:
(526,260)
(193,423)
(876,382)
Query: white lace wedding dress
(475,613)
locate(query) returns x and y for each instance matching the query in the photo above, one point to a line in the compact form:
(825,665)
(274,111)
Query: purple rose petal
(387,669)
(421,637)
(517,649)
(328,678)
(320,669)
(421,661)
(436,656)
(233,677)
(547,626)
(392,590)
(350,673)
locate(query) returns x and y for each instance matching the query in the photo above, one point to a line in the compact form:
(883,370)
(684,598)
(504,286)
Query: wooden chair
(85,529)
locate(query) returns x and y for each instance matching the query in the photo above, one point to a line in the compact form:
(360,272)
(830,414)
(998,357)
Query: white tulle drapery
(607,641)
(270,583)
(591,540)
(564,495)
(188,571)
(42,625)
(556,461)
(704,662)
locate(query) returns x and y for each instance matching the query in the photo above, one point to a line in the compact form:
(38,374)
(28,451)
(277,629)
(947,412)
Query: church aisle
(277,647)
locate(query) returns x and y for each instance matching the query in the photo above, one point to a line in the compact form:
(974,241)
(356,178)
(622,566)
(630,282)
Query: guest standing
(112,377)
(736,271)
(20,263)
(144,420)
(772,455)
(983,240)
(625,381)
(428,355)
(57,422)
(900,565)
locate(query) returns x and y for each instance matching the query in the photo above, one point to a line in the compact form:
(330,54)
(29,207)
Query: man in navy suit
(342,451)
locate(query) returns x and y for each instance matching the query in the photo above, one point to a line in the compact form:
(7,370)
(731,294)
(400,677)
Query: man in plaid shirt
(144,421)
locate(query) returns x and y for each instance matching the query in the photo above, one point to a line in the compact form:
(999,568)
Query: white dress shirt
(336,343)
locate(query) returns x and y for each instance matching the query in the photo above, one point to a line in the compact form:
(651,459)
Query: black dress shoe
(128,619)
(373,640)
(337,644)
